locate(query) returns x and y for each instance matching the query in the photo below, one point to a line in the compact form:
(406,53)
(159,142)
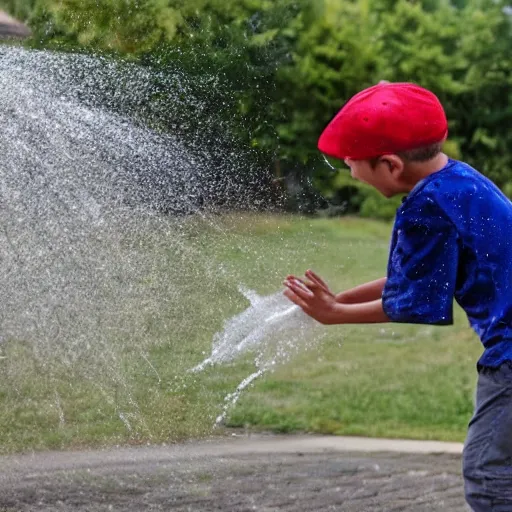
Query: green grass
(380,380)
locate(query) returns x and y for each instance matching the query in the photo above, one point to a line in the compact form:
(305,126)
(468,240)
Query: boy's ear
(394,164)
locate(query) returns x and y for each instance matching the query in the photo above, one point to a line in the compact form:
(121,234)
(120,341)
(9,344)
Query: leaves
(283,68)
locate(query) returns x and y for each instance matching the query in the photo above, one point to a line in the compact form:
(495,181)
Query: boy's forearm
(363,313)
(364,293)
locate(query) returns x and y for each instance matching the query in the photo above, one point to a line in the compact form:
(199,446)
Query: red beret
(385,119)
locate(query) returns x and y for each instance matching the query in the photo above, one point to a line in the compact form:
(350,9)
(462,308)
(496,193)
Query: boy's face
(384,174)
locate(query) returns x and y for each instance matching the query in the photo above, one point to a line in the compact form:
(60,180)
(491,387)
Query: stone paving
(200,479)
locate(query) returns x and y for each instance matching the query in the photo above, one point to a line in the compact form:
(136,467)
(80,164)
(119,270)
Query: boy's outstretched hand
(315,298)
(319,302)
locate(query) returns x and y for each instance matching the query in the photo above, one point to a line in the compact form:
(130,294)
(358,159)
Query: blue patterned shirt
(453,239)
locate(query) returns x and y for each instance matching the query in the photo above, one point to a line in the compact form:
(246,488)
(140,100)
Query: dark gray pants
(487,459)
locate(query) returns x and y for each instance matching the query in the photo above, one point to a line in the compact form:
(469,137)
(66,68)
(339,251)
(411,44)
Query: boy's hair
(423,154)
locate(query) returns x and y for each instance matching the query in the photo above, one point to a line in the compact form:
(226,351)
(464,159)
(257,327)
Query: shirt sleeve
(422,267)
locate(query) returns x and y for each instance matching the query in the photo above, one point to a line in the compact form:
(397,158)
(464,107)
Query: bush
(278,71)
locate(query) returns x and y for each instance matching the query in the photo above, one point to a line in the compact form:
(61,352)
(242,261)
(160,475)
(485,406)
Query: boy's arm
(421,281)
(366,292)
(370,312)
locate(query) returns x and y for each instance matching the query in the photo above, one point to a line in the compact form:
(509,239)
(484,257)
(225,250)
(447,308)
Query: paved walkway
(258,473)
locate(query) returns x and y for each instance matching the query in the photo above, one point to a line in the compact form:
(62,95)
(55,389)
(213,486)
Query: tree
(20,9)
(268,76)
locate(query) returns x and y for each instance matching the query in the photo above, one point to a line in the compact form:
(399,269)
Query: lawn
(134,387)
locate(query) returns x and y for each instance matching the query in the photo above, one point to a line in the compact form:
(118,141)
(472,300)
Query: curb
(236,445)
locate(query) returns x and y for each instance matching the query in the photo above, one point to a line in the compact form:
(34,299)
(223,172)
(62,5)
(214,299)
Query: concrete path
(255,473)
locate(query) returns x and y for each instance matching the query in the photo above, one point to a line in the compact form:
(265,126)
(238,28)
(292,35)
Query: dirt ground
(258,474)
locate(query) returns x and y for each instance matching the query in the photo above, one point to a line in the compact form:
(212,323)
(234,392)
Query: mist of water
(95,248)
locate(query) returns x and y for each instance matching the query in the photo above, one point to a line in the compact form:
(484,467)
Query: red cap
(385,119)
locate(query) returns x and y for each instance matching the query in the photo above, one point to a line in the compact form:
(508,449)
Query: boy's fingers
(296,299)
(308,290)
(310,284)
(315,287)
(295,279)
(306,285)
(318,284)
(314,277)
(299,289)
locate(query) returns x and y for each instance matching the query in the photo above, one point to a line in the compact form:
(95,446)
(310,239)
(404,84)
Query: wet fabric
(487,457)
(452,238)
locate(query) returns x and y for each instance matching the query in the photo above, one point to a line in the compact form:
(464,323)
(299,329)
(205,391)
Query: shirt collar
(425,180)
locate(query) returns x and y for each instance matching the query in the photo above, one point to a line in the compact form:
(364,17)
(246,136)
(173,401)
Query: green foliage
(20,9)
(282,69)
(124,26)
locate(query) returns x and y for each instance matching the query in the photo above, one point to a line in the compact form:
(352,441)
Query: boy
(452,238)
